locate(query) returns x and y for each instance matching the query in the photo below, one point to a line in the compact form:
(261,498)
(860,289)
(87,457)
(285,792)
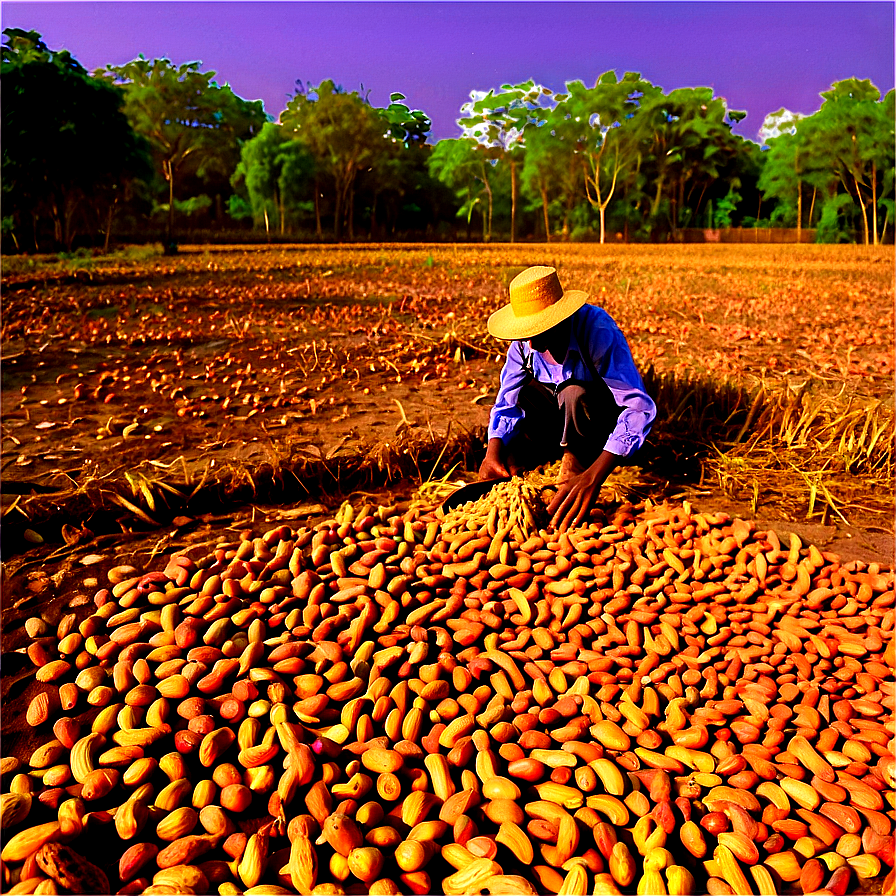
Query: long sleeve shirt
(595,332)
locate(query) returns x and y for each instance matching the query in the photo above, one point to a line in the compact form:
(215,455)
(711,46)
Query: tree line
(151,147)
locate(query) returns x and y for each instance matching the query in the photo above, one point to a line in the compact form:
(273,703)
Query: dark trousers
(575,416)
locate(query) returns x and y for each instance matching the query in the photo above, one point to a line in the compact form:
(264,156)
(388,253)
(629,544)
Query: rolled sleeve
(506,415)
(634,421)
(616,366)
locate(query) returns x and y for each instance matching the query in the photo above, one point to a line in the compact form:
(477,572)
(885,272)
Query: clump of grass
(818,456)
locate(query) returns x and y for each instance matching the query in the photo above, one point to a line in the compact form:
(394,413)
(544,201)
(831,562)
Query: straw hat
(537,303)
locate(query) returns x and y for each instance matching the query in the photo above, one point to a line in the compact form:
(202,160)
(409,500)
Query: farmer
(569,387)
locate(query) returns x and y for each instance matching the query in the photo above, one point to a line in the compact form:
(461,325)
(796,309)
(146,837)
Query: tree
(784,172)
(344,134)
(66,141)
(400,160)
(192,124)
(499,122)
(857,137)
(276,171)
(464,165)
(690,150)
(551,168)
(600,121)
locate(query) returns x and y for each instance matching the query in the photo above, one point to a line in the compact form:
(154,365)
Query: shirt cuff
(621,446)
(502,429)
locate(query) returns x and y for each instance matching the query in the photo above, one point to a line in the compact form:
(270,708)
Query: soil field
(156,406)
(142,381)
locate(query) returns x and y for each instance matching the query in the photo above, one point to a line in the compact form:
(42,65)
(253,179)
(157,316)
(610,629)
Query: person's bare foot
(514,467)
(569,466)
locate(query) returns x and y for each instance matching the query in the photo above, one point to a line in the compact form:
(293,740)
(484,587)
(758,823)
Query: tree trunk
(488,227)
(513,192)
(799,211)
(337,220)
(657,196)
(109,226)
(350,209)
(603,214)
(68,234)
(470,216)
(864,210)
(567,211)
(57,224)
(874,200)
(680,203)
(168,170)
(700,203)
(812,205)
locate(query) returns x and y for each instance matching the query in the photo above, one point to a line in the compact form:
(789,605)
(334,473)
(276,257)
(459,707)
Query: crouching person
(569,388)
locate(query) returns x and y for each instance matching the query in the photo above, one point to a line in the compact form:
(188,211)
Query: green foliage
(833,227)
(193,125)
(603,123)
(344,135)
(784,171)
(195,205)
(724,209)
(410,127)
(690,154)
(239,208)
(499,122)
(858,135)
(620,156)
(466,167)
(844,149)
(68,149)
(276,173)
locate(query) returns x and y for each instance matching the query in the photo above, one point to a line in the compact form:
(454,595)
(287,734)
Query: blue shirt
(593,331)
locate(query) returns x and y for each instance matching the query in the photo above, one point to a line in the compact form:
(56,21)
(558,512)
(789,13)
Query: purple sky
(759,56)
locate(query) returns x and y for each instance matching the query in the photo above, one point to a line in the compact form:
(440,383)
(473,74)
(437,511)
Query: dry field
(145,381)
(251,653)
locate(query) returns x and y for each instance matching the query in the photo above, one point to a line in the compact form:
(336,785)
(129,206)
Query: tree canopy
(191,122)
(68,150)
(622,155)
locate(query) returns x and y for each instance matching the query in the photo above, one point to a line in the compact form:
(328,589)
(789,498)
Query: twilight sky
(759,56)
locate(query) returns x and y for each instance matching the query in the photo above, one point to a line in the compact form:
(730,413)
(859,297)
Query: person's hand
(493,466)
(573,500)
(576,494)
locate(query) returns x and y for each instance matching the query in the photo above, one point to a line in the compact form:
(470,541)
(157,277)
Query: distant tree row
(163,148)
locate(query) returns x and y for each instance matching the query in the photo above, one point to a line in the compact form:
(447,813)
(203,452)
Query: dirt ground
(134,384)
(132,387)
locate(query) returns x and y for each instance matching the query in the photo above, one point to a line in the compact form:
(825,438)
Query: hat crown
(534,290)
(537,303)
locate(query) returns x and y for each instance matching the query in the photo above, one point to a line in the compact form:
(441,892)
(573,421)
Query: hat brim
(504,324)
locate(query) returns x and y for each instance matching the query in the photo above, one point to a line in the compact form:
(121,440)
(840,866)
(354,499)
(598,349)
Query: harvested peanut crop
(512,510)
(662,701)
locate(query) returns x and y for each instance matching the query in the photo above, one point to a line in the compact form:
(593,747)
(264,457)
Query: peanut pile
(515,506)
(662,701)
